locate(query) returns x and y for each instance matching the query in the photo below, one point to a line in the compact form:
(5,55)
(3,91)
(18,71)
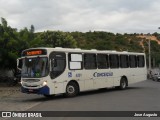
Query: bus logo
(104,74)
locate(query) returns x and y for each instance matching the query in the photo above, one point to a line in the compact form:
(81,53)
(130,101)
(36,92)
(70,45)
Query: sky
(117,16)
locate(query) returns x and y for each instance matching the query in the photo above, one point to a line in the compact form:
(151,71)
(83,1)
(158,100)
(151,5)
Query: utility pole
(158,36)
(149,54)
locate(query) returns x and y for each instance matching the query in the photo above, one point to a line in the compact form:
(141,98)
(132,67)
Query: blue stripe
(44,90)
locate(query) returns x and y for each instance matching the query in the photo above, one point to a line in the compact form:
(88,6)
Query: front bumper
(43,90)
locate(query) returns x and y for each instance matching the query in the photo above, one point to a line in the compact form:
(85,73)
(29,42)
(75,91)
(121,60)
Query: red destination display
(34,52)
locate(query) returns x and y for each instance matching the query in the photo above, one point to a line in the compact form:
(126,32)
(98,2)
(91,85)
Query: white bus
(50,71)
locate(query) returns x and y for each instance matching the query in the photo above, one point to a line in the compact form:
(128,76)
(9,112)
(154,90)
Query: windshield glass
(35,67)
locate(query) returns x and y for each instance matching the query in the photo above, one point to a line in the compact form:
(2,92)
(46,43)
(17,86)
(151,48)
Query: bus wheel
(71,90)
(123,83)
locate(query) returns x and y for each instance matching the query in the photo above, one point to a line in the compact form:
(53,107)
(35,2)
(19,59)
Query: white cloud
(129,16)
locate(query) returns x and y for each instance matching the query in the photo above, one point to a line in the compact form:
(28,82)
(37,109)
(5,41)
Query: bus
(51,71)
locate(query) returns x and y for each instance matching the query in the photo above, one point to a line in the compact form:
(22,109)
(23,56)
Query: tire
(157,80)
(72,89)
(123,83)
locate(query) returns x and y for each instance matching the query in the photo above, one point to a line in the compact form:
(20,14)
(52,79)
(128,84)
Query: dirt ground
(11,99)
(6,91)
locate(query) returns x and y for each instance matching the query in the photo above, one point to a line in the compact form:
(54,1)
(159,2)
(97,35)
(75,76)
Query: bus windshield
(35,67)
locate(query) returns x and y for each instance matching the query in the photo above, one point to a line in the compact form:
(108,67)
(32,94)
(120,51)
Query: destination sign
(33,52)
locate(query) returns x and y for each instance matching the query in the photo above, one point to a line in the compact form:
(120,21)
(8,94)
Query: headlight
(21,83)
(44,83)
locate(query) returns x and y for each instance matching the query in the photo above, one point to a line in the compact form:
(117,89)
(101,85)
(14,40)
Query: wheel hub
(70,89)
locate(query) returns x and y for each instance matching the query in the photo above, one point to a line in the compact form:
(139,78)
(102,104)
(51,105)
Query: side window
(75,61)
(90,61)
(58,64)
(102,61)
(124,61)
(140,59)
(133,61)
(114,61)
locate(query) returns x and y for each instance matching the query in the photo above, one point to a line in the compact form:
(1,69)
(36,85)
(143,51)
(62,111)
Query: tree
(8,43)
(32,30)
(58,39)
(4,22)
(12,43)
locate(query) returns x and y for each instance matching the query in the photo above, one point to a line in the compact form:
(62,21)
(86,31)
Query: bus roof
(84,51)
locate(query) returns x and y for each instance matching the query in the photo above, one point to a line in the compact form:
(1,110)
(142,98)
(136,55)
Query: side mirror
(19,64)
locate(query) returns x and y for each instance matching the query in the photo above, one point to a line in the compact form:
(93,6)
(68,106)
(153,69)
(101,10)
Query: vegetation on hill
(12,42)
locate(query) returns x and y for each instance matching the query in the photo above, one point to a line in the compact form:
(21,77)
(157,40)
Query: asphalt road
(143,96)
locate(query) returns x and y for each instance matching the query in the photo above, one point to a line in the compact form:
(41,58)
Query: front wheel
(72,90)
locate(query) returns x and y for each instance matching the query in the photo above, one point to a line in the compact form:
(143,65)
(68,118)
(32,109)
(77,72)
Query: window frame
(69,60)
(106,62)
(122,65)
(95,62)
(138,61)
(112,62)
(130,61)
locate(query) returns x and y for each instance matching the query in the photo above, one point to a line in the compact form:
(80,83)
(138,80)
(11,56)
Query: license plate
(30,90)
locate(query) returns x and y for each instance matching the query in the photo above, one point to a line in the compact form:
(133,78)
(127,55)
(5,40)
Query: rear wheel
(72,90)
(123,83)
(157,80)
